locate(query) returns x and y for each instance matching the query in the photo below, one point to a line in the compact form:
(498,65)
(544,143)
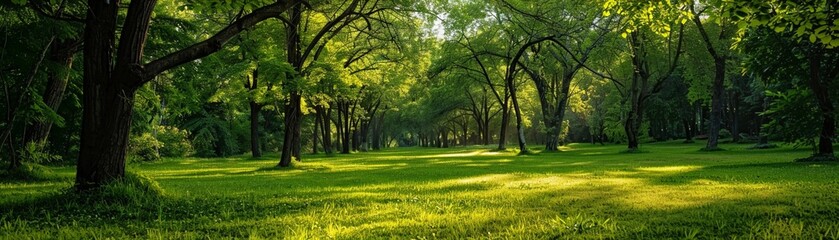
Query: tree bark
(291,124)
(716,104)
(505,119)
(256,108)
(820,86)
(718,86)
(315,133)
(107,100)
(62,53)
(326,129)
(291,135)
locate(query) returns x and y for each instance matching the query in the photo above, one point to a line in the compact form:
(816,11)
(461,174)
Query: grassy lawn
(587,191)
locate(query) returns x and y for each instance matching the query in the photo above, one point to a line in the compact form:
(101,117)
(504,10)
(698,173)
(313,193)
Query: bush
(724,133)
(29,172)
(133,188)
(144,148)
(175,142)
(36,152)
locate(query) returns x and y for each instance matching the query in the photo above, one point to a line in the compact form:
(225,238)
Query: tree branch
(214,43)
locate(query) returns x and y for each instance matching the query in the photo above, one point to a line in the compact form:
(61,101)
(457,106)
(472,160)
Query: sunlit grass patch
(585,191)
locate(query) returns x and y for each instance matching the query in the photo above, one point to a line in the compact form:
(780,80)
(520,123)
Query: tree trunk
(291,124)
(315,133)
(378,132)
(109,91)
(344,130)
(820,87)
(716,104)
(519,124)
(293,112)
(11,113)
(110,81)
(62,53)
(505,118)
(104,143)
(326,129)
(734,104)
(444,138)
(256,150)
(631,132)
(688,127)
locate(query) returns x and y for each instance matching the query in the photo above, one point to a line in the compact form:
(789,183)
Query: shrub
(36,152)
(29,172)
(724,133)
(175,142)
(144,148)
(133,188)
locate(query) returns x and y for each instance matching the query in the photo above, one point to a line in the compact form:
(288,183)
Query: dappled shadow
(474,192)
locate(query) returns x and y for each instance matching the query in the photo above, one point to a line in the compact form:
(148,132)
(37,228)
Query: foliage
(724,133)
(814,21)
(36,152)
(144,148)
(175,142)
(211,135)
(133,189)
(793,114)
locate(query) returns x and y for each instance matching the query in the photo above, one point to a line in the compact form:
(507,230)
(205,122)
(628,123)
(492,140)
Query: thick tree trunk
(109,92)
(291,138)
(444,138)
(820,86)
(291,125)
(110,81)
(716,104)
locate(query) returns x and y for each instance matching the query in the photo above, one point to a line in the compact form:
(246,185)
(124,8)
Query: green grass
(670,190)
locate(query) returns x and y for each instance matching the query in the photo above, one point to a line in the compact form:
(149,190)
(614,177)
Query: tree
(816,22)
(655,26)
(326,27)
(573,42)
(112,78)
(718,49)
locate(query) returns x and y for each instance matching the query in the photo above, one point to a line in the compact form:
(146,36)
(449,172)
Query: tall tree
(111,78)
(718,49)
(813,21)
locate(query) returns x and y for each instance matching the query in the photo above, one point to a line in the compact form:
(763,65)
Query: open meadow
(586,191)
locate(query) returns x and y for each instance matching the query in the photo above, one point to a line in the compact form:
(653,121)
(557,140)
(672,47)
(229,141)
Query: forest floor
(671,190)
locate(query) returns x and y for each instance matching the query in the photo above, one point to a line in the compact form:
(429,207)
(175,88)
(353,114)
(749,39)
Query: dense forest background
(99,83)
